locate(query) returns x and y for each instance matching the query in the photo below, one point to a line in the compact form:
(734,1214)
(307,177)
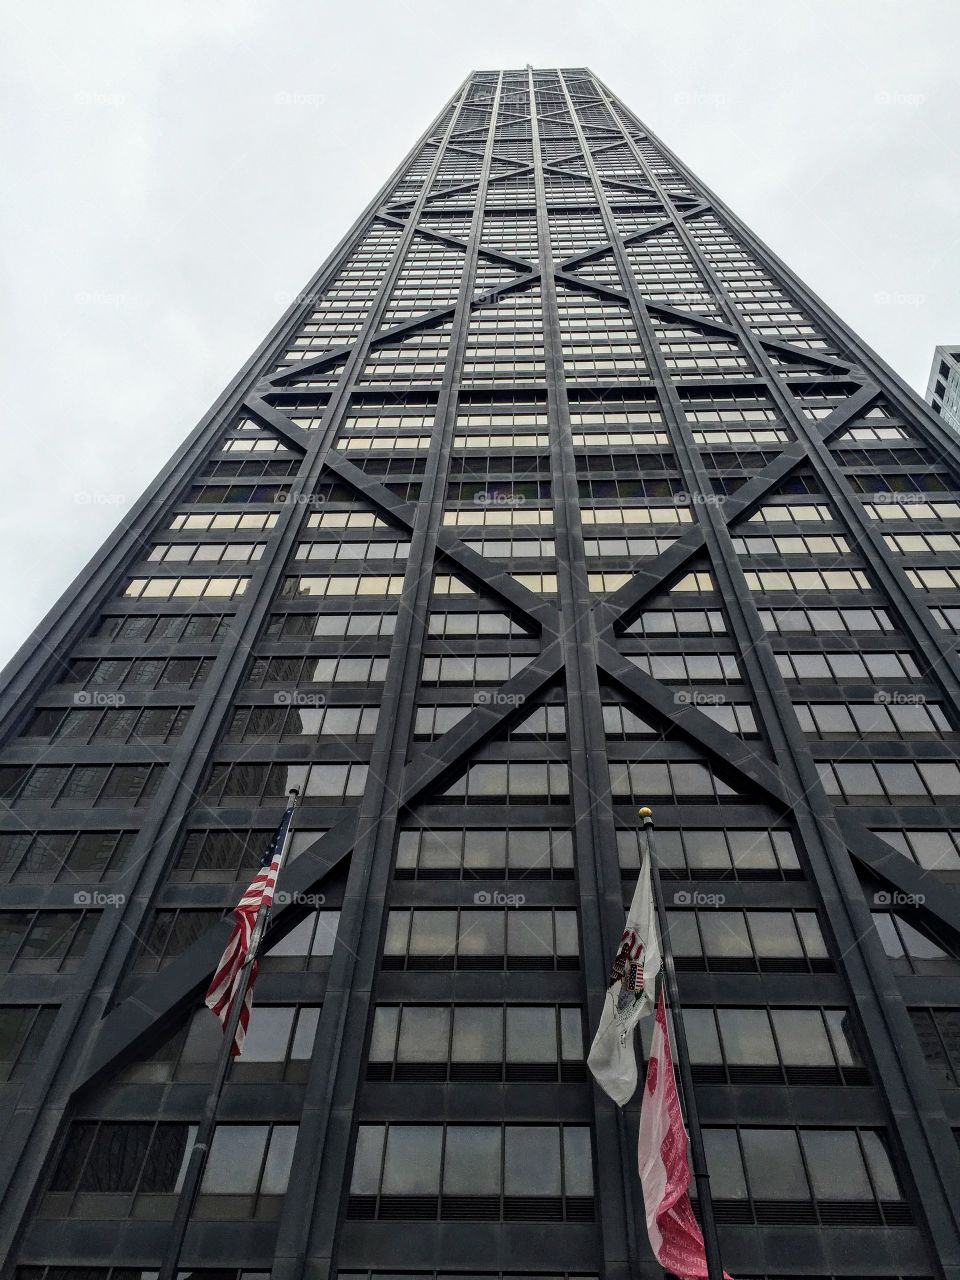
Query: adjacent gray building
(943,387)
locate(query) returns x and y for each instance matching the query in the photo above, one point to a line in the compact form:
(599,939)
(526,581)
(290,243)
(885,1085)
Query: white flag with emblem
(630,995)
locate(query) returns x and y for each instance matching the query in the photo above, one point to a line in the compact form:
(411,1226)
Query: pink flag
(675,1236)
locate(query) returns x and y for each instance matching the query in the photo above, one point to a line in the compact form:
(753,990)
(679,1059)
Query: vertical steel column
(598,871)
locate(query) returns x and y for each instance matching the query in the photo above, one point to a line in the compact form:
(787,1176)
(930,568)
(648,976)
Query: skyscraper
(554,494)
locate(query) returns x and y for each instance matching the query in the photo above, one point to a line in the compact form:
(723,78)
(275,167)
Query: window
(848,666)
(484,852)
(121,1169)
(816,1177)
(278,1046)
(929,543)
(910,947)
(262,444)
(263,783)
(357,443)
(679,622)
(356,669)
(901,509)
(938,1031)
(342,585)
(168,626)
(111,724)
(807,580)
(948,619)
(502,440)
(383,549)
(481,938)
(242,494)
(223,855)
(773,1046)
(48,856)
(137,1273)
(889,782)
(527,782)
(714,854)
(689,779)
(934,850)
(251,520)
(305,946)
(510,548)
(890,717)
(470,1172)
(792,514)
(934,579)
(803,621)
(499,514)
(722,941)
(179,588)
(805,545)
(173,932)
(45,941)
(140,674)
(636,515)
(630,548)
(185,552)
(697,668)
(23,1030)
(533,1043)
(487,669)
(371,1275)
(299,723)
(345,520)
(471,626)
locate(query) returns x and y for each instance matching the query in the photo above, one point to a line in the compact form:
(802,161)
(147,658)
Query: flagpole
(197,1163)
(711,1241)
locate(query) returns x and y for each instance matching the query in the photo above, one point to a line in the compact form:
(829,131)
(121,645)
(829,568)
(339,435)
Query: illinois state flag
(675,1235)
(630,995)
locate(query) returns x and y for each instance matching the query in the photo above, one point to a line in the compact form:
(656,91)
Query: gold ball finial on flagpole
(646,816)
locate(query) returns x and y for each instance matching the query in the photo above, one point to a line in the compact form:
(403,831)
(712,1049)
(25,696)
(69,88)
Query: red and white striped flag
(675,1235)
(229,974)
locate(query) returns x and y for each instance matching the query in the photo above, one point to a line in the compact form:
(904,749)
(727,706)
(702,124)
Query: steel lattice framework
(667,363)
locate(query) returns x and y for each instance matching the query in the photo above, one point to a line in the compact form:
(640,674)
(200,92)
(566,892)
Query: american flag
(229,974)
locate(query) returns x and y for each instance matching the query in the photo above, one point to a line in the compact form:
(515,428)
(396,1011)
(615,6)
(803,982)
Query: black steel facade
(555,493)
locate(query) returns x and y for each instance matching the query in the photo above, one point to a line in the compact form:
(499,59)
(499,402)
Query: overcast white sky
(174,172)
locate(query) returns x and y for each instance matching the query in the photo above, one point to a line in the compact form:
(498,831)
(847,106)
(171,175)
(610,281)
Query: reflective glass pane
(531,1160)
(268,1033)
(747,1038)
(276,1171)
(471,1165)
(773,1164)
(531,1034)
(412,1162)
(236,1154)
(723,1160)
(424,1033)
(836,1166)
(802,1037)
(577,1161)
(367,1160)
(477,1033)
